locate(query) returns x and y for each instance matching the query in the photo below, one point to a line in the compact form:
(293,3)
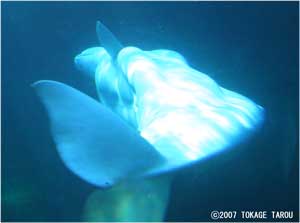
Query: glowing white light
(182,112)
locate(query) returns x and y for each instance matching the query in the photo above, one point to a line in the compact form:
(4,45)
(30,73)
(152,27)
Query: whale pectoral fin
(108,40)
(141,201)
(92,141)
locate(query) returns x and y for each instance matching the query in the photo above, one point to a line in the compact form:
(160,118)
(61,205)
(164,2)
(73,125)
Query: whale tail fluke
(142,201)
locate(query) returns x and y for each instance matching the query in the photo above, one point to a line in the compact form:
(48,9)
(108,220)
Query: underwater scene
(149,111)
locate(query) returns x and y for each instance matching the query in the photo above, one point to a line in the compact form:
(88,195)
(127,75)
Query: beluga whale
(155,115)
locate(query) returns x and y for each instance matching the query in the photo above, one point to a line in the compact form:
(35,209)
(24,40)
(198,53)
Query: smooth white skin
(182,112)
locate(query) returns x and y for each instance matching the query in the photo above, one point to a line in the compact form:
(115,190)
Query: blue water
(251,48)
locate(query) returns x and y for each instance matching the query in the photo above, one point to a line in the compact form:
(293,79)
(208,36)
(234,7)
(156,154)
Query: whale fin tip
(108,40)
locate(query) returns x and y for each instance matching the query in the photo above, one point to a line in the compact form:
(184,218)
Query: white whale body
(155,114)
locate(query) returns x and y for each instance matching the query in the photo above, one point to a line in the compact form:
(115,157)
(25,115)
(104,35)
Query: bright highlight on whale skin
(182,112)
(155,114)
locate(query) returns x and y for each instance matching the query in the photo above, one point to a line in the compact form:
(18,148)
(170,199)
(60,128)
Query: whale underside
(155,115)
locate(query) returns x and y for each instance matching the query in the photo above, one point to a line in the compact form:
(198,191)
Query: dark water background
(251,48)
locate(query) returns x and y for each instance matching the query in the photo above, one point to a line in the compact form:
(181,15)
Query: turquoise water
(251,48)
